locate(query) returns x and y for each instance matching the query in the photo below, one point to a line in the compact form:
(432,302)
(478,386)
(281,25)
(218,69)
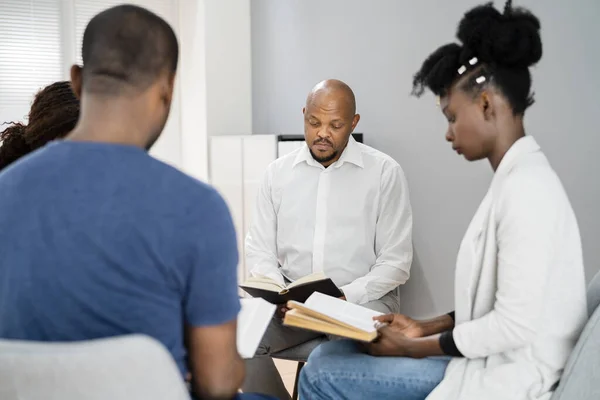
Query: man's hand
(390,343)
(403,324)
(281,310)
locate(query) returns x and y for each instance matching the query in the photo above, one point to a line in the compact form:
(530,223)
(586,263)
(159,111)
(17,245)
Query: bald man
(333,206)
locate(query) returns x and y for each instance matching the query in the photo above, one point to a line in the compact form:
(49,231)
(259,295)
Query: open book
(299,290)
(252,322)
(325,314)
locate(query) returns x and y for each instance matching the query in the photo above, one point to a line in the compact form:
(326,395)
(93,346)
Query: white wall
(228,67)
(376,48)
(192,78)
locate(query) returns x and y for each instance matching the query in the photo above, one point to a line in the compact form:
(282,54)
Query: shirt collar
(521,147)
(351,154)
(524,145)
(303,156)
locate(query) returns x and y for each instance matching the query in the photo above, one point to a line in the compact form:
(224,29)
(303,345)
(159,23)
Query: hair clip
(480,79)
(463,68)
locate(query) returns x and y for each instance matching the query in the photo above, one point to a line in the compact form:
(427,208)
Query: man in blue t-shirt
(99,239)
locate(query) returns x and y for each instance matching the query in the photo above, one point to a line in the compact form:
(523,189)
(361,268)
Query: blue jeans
(252,396)
(341,370)
(249,396)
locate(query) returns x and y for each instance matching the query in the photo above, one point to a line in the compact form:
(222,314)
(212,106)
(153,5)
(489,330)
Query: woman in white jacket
(519,285)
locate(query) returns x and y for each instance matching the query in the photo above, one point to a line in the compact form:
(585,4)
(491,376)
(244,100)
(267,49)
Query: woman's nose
(449,135)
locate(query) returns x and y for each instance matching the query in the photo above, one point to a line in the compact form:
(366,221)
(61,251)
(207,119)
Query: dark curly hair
(505,46)
(54,113)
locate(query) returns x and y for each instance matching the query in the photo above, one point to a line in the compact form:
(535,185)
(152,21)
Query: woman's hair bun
(510,39)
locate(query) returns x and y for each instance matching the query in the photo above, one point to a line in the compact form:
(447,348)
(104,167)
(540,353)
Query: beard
(324,158)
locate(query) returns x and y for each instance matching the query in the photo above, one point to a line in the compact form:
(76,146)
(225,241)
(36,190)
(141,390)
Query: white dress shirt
(520,287)
(351,221)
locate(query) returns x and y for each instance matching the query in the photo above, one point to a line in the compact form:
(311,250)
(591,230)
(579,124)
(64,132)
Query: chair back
(133,367)
(581,378)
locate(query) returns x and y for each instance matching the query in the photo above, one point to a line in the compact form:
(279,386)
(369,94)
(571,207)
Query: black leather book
(299,290)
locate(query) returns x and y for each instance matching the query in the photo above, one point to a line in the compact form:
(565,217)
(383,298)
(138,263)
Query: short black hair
(504,44)
(127,46)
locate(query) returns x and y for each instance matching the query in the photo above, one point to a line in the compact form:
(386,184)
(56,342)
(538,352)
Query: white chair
(133,367)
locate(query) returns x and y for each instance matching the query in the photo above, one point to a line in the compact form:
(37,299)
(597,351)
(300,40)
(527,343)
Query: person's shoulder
(533,173)
(286,161)
(189,185)
(377,156)
(174,189)
(387,166)
(36,166)
(282,165)
(535,183)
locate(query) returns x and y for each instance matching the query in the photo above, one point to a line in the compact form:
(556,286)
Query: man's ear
(303,110)
(355,121)
(487,105)
(166,93)
(77,80)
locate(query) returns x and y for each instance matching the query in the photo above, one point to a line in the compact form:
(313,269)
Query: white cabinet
(286,147)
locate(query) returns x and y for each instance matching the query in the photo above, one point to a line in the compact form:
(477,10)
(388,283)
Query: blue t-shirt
(100,240)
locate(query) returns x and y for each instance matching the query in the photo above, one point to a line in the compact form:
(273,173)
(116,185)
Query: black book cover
(297,293)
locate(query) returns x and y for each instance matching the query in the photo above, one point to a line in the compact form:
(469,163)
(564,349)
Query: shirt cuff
(448,345)
(355,293)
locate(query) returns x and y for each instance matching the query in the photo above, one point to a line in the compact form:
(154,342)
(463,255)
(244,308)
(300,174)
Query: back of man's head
(127,48)
(127,79)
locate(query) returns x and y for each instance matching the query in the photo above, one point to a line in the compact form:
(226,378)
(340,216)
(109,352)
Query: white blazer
(520,287)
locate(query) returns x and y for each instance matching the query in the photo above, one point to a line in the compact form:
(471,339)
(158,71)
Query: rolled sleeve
(355,292)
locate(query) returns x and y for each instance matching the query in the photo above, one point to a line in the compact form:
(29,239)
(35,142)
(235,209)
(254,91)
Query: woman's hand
(402,324)
(391,342)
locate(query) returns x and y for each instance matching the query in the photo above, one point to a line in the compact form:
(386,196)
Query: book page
(252,323)
(343,311)
(300,319)
(319,276)
(261,282)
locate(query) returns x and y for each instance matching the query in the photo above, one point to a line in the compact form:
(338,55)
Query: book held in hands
(252,322)
(299,290)
(330,315)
